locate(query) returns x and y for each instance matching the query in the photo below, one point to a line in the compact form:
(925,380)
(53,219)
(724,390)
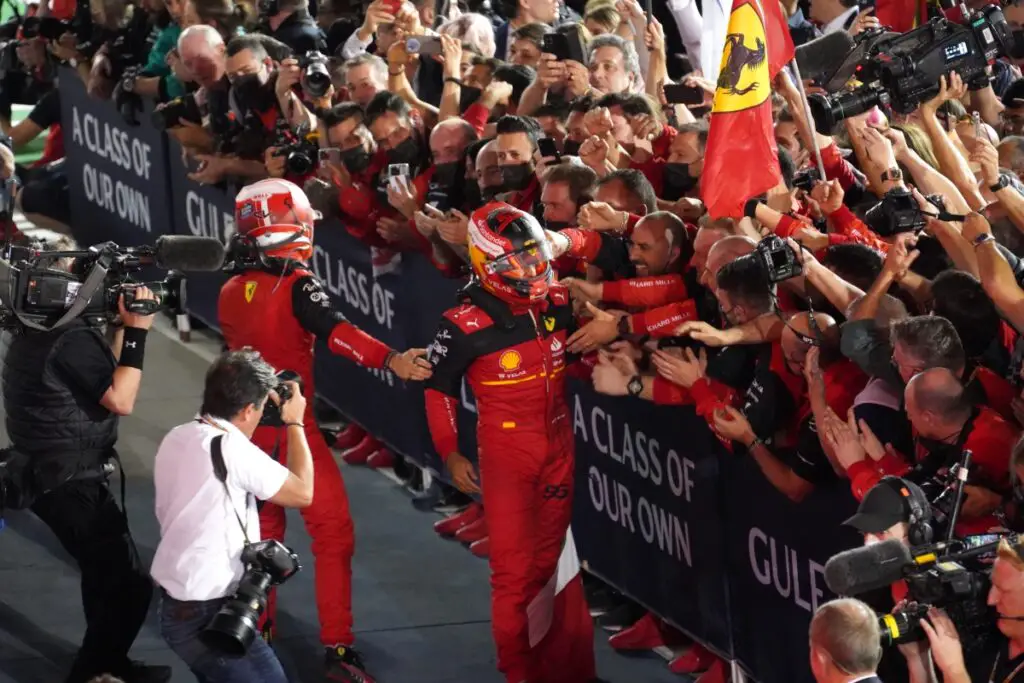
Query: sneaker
(137,672)
(382,459)
(361,452)
(471,533)
(643,635)
(694,660)
(451,500)
(449,526)
(718,673)
(349,437)
(344,664)
(481,548)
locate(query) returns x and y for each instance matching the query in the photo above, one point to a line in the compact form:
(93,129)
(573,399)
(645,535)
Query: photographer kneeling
(208,475)
(63,391)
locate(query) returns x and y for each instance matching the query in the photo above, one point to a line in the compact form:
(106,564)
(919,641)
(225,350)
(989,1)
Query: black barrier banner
(647,510)
(116,172)
(400,309)
(777,551)
(202,211)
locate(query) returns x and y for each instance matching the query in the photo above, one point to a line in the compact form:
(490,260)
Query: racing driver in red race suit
(508,339)
(277,306)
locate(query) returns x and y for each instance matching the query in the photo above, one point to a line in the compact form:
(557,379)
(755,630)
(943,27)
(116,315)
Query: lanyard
(221,472)
(1009,678)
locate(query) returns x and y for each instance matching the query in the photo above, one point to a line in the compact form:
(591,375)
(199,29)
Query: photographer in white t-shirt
(204,522)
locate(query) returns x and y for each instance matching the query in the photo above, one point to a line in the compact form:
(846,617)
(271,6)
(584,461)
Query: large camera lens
(234,628)
(316,80)
(169,293)
(902,627)
(299,163)
(827,111)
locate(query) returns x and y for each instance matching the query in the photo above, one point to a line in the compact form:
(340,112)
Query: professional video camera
(36,295)
(235,627)
(272,411)
(903,70)
(316,80)
(301,149)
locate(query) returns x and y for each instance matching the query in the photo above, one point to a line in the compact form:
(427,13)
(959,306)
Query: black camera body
(272,411)
(128,102)
(179,109)
(234,628)
(778,259)
(898,212)
(961,592)
(301,149)
(36,295)
(316,79)
(903,70)
(806,179)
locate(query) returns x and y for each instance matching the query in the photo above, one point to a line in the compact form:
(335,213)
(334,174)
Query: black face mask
(472,197)
(678,181)
(571,148)
(556,226)
(252,94)
(516,178)
(445,190)
(407,152)
(356,160)
(448,175)
(468,95)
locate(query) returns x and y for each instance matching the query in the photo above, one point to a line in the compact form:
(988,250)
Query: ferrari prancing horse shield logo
(250,291)
(743,81)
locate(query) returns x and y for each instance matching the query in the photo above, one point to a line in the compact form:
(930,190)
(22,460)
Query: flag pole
(807,117)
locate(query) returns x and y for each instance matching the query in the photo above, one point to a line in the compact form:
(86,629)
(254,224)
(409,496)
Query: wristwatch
(635,386)
(624,326)
(1001,184)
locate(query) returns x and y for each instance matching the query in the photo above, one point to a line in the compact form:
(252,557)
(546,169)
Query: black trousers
(116,590)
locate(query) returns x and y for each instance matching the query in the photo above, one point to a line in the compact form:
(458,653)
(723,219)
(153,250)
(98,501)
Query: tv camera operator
(64,389)
(276,305)
(211,566)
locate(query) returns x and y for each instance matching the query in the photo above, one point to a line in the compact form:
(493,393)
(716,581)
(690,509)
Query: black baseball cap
(881,509)
(1014,94)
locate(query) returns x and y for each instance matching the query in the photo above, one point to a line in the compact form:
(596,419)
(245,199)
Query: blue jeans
(180,626)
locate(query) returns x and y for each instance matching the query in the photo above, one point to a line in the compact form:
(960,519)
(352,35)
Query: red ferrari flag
(741,160)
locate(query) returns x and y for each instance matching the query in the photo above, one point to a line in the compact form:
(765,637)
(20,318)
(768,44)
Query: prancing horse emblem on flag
(743,79)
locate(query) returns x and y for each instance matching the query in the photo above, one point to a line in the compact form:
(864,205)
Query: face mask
(517,177)
(677,181)
(407,152)
(356,160)
(468,96)
(556,226)
(472,197)
(448,175)
(445,190)
(571,148)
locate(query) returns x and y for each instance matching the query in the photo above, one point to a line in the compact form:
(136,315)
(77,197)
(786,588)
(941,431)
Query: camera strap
(220,470)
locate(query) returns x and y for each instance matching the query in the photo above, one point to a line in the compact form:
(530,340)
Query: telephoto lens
(904,626)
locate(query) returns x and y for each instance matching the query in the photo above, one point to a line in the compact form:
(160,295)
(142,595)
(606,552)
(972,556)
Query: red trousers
(528,501)
(330,526)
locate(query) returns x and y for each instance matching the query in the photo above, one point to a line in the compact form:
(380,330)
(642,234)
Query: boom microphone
(874,566)
(821,57)
(188,253)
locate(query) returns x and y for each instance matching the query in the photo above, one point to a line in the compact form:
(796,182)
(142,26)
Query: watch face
(635,386)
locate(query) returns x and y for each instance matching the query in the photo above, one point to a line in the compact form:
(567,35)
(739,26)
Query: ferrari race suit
(514,361)
(281,314)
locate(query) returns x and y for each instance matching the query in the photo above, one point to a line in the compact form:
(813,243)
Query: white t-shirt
(201,541)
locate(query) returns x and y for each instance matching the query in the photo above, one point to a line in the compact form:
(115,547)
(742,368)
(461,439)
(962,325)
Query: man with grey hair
(365,76)
(614,65)
(845,642)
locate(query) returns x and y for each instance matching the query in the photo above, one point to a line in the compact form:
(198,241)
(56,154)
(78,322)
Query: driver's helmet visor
(522,264)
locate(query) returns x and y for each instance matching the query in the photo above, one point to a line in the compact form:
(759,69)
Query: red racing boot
(471,533)
(482,548)
(382,459)
(361,452)
(349,437)
(695,660)
(449,526)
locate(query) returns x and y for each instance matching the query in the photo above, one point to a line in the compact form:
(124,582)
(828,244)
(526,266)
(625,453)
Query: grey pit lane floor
(421,603)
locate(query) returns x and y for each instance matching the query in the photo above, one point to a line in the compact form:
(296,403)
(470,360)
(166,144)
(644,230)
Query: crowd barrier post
(663,511)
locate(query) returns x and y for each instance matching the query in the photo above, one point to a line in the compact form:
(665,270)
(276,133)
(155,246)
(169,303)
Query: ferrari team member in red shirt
(508,339)
(277,306)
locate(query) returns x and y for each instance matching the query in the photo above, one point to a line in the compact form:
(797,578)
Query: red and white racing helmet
(509,253)
(277,216)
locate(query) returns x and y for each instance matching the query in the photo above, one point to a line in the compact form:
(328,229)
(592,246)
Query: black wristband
(387,359)
(750,208)
(133,347)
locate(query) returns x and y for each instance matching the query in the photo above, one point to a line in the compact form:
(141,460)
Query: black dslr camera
(898,212)
(301,149)
(777,259)
(316,80)
(903,70)
(272,411)
(179,109)
(234,628)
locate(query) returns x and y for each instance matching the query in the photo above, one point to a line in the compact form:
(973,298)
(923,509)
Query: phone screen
(548,148)
(555,44)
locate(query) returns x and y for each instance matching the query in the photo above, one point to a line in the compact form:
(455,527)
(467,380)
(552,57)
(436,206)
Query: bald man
(945,425)
(202,52)
(845,642)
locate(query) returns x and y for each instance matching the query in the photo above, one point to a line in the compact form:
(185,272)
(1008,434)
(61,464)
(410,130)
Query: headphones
(917,507)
